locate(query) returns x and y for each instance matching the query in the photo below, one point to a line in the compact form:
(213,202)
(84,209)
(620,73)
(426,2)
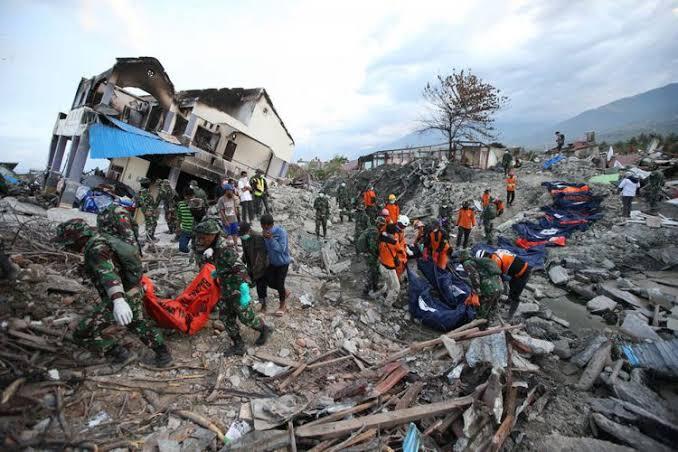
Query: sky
(346,77)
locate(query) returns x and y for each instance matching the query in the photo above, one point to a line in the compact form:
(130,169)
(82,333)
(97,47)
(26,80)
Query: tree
(332,168)
(462,105)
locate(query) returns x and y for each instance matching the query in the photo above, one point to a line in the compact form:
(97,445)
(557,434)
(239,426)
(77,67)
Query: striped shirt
(184,216)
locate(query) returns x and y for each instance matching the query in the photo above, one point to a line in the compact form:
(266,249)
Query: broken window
(205,139)
(115,172)
(179,126)
(229,152)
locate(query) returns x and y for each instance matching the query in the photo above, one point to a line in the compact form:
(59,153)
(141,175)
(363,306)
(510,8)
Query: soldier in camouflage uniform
(362,221)
(368,243)
(344,200)
(197,191)
(115,270)
(446,216)
(149,206)
(115,220)
(168,198)
(322,214)
(210,246)
(653,189)
(485,279)
(488,214)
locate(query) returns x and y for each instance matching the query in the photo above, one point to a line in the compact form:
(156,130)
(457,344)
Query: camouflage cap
(209,226)
(145,181)
(73,230)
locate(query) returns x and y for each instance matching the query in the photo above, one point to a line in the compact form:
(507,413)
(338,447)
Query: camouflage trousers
(171,219)
(321,222)
(373,274)
(489,231)
(89,331)
(230,312)
(151,222)
(345,210)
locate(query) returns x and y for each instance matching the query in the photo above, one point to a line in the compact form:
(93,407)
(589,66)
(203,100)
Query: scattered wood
(410,396)
(628,435)
(383,420)
(293,376)
(201,421)
(10,390)
(594,367)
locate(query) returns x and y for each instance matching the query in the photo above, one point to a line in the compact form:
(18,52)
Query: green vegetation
(642,141)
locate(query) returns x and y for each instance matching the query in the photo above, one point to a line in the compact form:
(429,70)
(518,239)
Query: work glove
(208,253)
(409,252)
(122,313)
(245,297)
(472,300)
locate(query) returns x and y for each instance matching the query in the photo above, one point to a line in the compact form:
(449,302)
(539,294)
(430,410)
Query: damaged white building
(132,115)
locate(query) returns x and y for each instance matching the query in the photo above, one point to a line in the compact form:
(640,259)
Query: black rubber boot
(163,357)
(263,335)
(119,354)
(237,349)
(513,307)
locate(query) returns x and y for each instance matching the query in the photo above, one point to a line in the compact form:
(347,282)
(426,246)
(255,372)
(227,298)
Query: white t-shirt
(629,188)
(245,195)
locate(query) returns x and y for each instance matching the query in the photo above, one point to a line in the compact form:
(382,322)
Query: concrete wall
(265,126)
(134,168)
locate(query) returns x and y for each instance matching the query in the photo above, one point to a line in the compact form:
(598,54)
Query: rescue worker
(506,161)
(114,267)
(149,207)
(322,214)
(485,279)
(446,216)
(488,214)
(385,214)
(653,189)
(419,228)
(368,244)
(168,198)
(115,220)
(499,205)
(513,267)
(389,261)
(344,201)
(393,209)
(198,192)
(486,198)
(362,221)
(511,182)
(370,202)
(465,221)
(436,245)
(260,187)
(234,302)
(403,250)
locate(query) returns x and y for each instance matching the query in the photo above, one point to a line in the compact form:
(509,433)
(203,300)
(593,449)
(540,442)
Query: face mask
(245,237)
(392,202)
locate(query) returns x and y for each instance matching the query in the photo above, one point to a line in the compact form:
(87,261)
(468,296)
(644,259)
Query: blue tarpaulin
(550,162)
(559,185)
(430,310)
(451,286)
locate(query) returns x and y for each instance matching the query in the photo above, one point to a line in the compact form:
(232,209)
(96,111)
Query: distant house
(471,153)
(131,115)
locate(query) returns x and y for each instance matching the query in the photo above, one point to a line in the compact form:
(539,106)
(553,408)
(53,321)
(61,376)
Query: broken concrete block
(582,358)
(601,303)
(637,327)
(341,267)
(561,348)
(613,292)
(558,443)
(454,349)
(488,349)
(536,346)
(526,309)
(558,275)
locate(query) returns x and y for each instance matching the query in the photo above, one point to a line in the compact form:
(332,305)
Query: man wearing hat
(114,267)
(235,302)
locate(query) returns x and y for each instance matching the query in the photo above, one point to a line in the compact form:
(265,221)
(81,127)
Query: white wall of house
(266,127)
(133,168)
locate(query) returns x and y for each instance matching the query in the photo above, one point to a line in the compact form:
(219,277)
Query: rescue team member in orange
(514,267)
(419,237)
(393,209)
(385,216)
(389,260)
(403,223)
(370,202)
(511,183)
(436,246)
(486,198)
(465,221)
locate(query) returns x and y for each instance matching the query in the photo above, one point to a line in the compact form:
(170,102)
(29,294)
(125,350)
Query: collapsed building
(471,153)
(132,116)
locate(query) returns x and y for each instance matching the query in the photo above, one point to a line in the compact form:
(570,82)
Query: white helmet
(404,220)
(343,184)
(480,254)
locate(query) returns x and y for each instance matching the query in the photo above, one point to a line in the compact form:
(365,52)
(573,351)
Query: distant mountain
(652,111)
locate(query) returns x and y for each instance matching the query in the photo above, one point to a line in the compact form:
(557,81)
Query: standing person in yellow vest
(259,192)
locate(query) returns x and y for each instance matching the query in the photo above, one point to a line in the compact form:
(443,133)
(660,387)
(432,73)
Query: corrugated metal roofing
(128,141)
(661,356)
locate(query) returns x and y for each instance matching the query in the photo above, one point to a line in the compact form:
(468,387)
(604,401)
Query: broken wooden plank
(331,361)
(390,381)
(594,367)
(383,420)
(628,435)
(276,359)
(201,421)
(292,377)
(354,439)
(410,396)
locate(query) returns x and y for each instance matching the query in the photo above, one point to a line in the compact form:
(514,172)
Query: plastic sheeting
(552,161)
(451,285)
(534,256)
(431,311)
